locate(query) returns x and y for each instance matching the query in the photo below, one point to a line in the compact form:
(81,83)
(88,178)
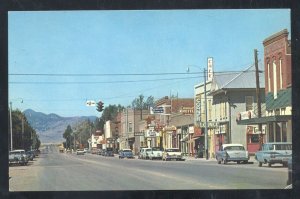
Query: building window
(271,133)
(275,79)
(277,132)
(130,127)
(280,73)
(284,132)
(249,103)
(269,78)
(283,111)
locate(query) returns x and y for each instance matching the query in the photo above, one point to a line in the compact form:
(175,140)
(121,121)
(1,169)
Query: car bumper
(237,159)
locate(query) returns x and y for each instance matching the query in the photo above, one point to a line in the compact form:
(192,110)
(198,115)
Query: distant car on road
(232,153)
(274,152)
(126,153)
(80,152)
(172,154)
(155,153)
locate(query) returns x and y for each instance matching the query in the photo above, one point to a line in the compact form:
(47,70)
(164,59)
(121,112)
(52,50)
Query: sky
(60,59)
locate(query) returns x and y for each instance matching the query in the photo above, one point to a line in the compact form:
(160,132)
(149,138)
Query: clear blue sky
(126,42)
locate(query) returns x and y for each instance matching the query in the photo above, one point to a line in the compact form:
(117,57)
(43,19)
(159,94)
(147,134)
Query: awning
(265,120)
(184,139)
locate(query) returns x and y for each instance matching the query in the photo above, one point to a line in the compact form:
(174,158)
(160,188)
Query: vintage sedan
(18,157)
(155,153)
(126,153)
(274,152)
(232,153)
(172,154)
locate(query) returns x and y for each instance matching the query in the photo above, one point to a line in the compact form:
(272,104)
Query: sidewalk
(191,158)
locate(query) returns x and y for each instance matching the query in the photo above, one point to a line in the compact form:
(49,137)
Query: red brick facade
(277,49)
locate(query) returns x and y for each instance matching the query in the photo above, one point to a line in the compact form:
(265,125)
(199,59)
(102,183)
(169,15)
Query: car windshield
(148,149)
(109,149)
(234,148)
(172,150)
(126,151)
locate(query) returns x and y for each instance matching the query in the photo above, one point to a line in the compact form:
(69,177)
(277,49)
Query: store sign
(151,133)
(209,124)
(139,133)
(187,110)
(191,130)
(156,110)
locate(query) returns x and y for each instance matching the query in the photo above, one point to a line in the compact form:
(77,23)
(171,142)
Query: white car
(172,154)
(232,153)
(155,153)
(145,153)
(80,152)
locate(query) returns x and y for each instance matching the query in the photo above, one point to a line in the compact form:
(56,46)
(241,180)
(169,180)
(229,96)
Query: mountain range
(50,127)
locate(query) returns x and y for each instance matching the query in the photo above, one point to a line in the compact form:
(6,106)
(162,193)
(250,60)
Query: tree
(139,103)
(68,136)
(24,136)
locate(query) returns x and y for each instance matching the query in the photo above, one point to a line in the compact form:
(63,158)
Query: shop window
(253,139)
(277,133)
(284,132)
(271,133)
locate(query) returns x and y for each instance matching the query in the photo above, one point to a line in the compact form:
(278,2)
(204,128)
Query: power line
(105,82)
(107,74)
(121,74)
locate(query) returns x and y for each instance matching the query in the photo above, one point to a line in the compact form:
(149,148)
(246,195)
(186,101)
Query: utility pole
(258,96)
(205,107)
(10,121)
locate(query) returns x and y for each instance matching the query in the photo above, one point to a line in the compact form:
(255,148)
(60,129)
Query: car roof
(18,150)
(278,143)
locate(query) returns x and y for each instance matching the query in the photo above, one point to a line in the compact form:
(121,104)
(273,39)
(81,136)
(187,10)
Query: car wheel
(259,164)
(246,162)
(238,162)
(269,164)
(224,161)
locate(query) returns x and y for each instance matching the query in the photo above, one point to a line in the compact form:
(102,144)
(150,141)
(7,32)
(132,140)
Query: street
(54,171)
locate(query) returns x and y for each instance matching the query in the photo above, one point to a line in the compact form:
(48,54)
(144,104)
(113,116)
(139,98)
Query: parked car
(274,152)
(290,170)
(145,153)
(30,155)
(172,154)
(155,153)
(18,157)
(232,153)
(85,150)
(80,152)
(126,153)
(140,152)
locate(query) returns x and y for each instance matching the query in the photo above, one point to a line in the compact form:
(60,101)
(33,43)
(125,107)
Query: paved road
(54,171)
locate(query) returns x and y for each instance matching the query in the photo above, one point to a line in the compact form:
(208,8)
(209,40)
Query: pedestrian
(196,151)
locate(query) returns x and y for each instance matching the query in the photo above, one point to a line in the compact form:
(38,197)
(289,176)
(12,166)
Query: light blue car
(274,152)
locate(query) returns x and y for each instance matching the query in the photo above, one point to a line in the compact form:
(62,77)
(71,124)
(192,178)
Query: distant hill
(51,127)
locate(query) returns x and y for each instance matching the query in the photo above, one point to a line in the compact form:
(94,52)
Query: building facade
(278,71)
